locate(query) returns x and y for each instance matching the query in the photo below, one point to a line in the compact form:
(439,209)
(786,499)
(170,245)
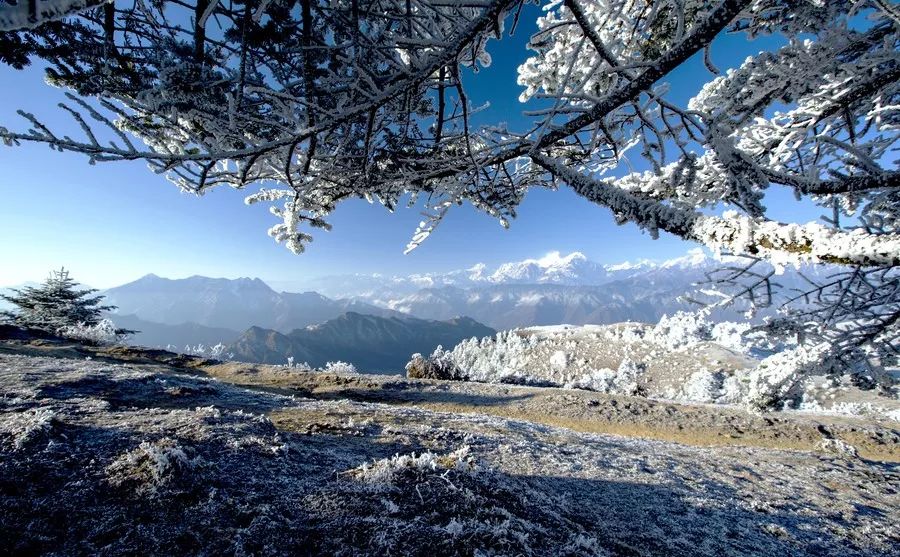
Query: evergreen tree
(55,304)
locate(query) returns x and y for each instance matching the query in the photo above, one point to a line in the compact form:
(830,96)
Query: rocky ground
(112,451)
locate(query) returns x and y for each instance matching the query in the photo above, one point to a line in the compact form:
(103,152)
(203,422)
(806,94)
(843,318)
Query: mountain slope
(224,303)
(161,335)
(369,342)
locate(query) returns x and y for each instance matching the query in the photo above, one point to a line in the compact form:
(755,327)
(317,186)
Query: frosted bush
(266,445)
(627,332)
(624,381)
(218,352)
(339,367)
(214,352)
(777,377)
(493,359)
(712,386)
(103,332)
(600,380)
(416,362)
(628,375)
(808,403)
(439,365)
(731,335)
(559,360)
(838,447)
(703,386)
(684,329)
(27,427)
(681,329)
(386,471)
(151,465)
(292,363)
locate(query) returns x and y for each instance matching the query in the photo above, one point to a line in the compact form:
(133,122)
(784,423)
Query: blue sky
(115,222)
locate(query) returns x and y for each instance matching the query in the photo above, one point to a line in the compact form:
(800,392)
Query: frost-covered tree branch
(732,233)
(249,93)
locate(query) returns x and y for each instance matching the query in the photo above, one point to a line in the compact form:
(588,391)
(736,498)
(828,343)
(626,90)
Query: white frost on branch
(795,244)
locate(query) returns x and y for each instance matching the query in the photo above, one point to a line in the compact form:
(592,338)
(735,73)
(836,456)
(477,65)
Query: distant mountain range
(379,315)
(551,290)
(371,343)
(229,304)
(511,306)
(574,269)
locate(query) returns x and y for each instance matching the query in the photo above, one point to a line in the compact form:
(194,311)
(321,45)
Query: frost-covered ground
(99,457)
(673,360)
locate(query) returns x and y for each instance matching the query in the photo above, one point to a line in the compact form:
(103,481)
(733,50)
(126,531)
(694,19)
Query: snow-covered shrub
(712,386)
(559,360)
(218,352)
(838,447)
(416,367)
(386,470)
(624,381)
(627,332)
(493,359)
(439,365)
(25,428)
(703,386)
(151,466)
(339,367)
(215,352)
(102,332)
(460,505)
(775,380)
(628,376)
(266,445)
(732,335)
(684,329)
(600,380)
(300,366)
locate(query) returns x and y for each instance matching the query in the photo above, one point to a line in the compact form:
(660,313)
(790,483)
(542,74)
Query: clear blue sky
(115,222)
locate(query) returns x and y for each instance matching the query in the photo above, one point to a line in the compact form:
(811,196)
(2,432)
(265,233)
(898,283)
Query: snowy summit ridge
(553,268)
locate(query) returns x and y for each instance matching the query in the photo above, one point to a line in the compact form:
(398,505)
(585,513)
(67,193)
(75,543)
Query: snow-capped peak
(640,264)
(696,257)
(555,260)
(553,267)
(477,272)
